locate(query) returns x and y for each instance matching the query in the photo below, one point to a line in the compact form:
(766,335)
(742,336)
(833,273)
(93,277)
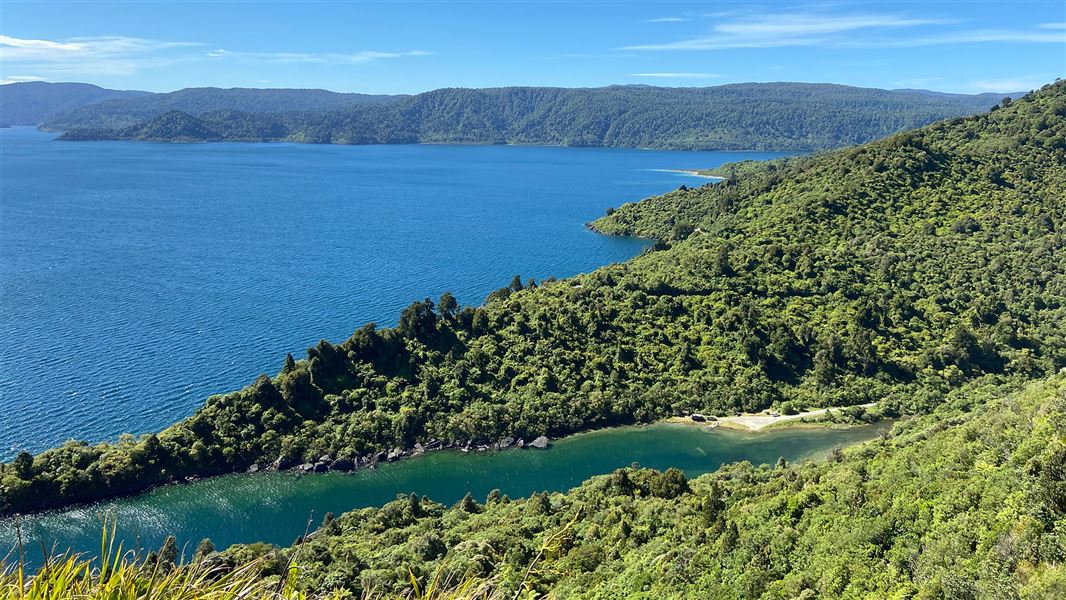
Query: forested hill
(890,272)
(770,116)
(128,112)
(969,502)
(32,102)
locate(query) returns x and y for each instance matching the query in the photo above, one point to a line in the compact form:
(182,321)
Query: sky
(410,47)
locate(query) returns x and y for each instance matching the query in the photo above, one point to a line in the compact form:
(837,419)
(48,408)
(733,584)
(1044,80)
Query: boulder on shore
(282,463)
(697,417)
(541,442)
(342,464)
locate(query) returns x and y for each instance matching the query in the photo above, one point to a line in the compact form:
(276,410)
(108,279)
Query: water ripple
(138,279)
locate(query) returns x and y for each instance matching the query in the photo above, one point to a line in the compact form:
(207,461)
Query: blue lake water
(136,279)
(276,507)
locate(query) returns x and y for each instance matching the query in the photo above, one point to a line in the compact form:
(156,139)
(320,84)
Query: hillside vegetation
(968,502)
(891,272)
(32,102)
(774,116)
(204,102)
(117,574)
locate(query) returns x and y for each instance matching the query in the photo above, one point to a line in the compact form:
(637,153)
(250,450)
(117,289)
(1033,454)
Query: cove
(138,278)
(276,507)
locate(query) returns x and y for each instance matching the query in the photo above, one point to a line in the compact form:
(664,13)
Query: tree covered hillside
(968,502)
(891,272)
(773,116)
(197,102)
(32,102)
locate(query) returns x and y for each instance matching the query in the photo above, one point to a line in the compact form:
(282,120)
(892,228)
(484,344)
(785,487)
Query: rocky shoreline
(370,460)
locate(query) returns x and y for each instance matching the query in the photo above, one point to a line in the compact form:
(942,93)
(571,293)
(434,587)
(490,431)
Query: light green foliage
(967,502)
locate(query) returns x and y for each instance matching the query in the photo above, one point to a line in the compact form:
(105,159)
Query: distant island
(749,116)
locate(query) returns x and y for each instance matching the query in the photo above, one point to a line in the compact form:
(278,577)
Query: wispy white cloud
(794,29)
(26,46)
(21,79)
(590,55)
(677,75)
(790,25)
(668,20)
(818,28)
(335,58)
(21,49)
(108,55)
(1053,25)
(116,55)
(977,36)
(722,13)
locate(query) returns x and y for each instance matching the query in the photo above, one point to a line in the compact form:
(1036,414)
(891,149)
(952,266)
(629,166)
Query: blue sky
(409,47)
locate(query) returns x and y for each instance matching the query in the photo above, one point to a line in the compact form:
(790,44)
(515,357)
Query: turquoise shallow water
(138,278)
(276,507)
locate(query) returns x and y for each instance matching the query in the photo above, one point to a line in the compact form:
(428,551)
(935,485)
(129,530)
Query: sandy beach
(695,173)
(760,421)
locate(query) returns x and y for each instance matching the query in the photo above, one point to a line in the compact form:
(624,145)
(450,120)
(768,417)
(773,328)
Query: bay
(278,507)
(136,279)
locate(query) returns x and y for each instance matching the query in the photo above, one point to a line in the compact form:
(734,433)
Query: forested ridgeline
(967,502)
(772,116)
(891,272)
(61,106)
(32,102)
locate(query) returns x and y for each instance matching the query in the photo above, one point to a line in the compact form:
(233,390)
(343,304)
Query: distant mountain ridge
(746,116)
(125,112)
(32,102)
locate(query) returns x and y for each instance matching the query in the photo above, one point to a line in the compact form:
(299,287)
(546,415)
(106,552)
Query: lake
(136,279)
(276,507)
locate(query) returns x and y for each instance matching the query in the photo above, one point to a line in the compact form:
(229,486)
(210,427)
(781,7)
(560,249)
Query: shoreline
(695,173)
(733,423)
(757,422)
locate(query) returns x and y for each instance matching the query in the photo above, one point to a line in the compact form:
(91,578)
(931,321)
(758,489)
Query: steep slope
(774,116)
(891,272)
(968,502)
(32,102)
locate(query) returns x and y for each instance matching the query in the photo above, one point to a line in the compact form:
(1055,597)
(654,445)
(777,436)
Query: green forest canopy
(31,102)
(894,272)
(966,502)
(766,116)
